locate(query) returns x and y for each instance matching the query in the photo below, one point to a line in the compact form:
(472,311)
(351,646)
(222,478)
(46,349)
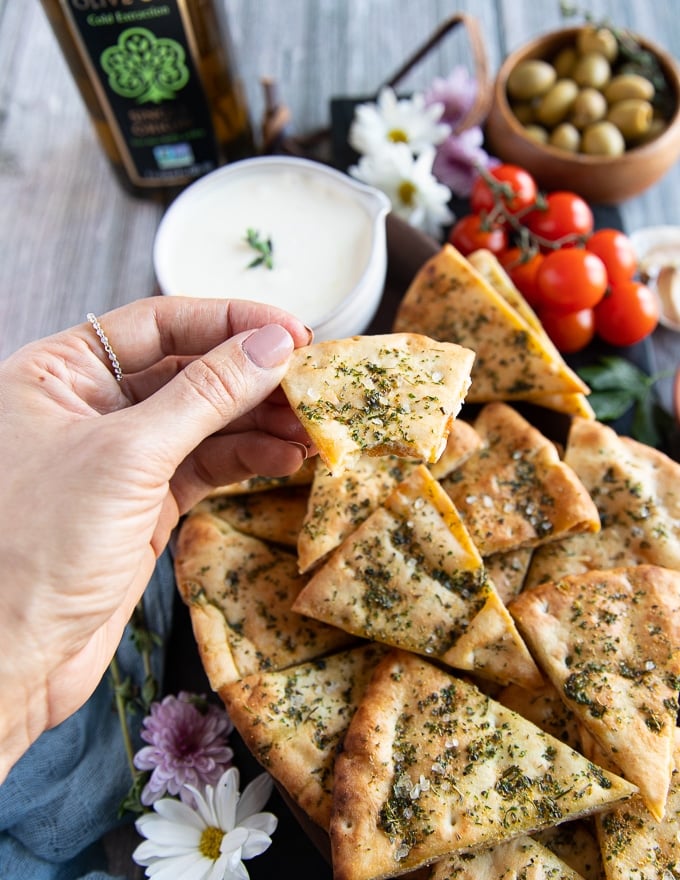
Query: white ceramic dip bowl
(327,234)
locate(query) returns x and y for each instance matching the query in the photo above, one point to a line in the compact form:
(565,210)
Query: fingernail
(269,346)
(311,333)
(303,449)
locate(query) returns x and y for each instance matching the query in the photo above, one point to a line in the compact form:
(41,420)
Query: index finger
(144,332)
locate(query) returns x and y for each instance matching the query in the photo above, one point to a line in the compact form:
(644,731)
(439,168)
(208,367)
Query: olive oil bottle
(158,80)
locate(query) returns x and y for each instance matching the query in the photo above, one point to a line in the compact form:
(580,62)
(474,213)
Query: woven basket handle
(482,103)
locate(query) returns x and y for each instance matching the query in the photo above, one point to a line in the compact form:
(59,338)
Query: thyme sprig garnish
(131,700)
(264,248)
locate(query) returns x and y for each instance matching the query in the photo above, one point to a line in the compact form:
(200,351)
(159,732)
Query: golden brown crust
(431,766)
(294,721)
(637,493)
(450,300)
(239,591)
(409,576)
(515,492)
(610,643)
(394,394)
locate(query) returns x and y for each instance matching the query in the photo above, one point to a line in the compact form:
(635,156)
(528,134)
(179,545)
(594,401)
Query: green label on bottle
(140,59)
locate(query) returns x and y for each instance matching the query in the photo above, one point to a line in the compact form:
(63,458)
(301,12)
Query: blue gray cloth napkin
(64,794)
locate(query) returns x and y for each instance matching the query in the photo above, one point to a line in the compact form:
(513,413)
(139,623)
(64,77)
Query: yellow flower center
(406,192)
(209,844)
(397,136)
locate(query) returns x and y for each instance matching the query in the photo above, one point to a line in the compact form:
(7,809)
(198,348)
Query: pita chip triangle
(450,300)
(489,267)
(515,491)
(239,591)
(431,767)
(634,844)
(520,859)
(391,394)
(610,643)
(409,576)
(294,721)
(338,503)
(636,490)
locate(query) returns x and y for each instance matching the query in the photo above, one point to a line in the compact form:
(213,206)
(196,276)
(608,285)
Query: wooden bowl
(598,179)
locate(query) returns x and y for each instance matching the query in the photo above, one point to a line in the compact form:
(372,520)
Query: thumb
(213,390)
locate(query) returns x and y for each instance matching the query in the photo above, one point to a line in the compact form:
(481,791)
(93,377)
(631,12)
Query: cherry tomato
(566,216)
(472,232)
(523,269)
(518,192)
(571,279)
(570,331)
(617,253)
(627,314)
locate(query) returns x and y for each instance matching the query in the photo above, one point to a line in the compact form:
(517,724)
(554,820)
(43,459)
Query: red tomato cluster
(581,282)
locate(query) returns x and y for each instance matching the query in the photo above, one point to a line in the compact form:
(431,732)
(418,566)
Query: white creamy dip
(321,233)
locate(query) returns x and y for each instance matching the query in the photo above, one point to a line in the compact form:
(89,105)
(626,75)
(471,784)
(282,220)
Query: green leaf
(616,373)
(610,405)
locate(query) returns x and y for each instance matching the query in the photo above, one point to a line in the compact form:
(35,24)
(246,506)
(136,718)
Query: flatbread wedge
(275,515)
(339,503)
(576,844)
(489,267)
(239,591)
(634,844)
(515,491)
(392,394)
(520,859)
(610,643)
(637,493)
(450,300)
(431,766)
(409,576)
(294,721)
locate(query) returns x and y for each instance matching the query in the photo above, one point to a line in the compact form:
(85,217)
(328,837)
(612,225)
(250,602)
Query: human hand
(96,474)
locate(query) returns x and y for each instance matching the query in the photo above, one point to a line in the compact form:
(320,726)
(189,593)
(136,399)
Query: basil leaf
(610,405)
(616,373)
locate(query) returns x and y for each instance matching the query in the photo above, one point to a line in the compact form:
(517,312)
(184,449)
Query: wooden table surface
(71,241)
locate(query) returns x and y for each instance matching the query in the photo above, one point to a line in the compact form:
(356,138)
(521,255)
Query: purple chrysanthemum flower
(188,746)
(458,159)
(456,92)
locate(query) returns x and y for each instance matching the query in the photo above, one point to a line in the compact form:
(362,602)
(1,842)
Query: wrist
(22,720)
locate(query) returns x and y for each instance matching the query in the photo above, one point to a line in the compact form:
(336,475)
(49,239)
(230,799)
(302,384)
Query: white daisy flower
(415,193)
(397,121)
(210,841)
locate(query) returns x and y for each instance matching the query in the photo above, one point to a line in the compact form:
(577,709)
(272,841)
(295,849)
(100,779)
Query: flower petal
(254,797)
(256,844)
(266,822)
(177,868)
(226,799)
(176,811)
(162,832)
(234,840)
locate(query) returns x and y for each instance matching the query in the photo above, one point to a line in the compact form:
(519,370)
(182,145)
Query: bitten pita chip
(515,491)
(392,394)
(450,300)
(431,766)
(294,721)
(610,643)
(239,591)
(409,576)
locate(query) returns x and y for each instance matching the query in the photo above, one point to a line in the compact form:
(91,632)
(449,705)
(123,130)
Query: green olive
(589,106)
(592,69)
(566,137)
(523,111)
(536,133)
(628,85)
(556,104)
(657,127)
(602,139)
(632,117)
(530,79)
(602,40)
(564,62)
